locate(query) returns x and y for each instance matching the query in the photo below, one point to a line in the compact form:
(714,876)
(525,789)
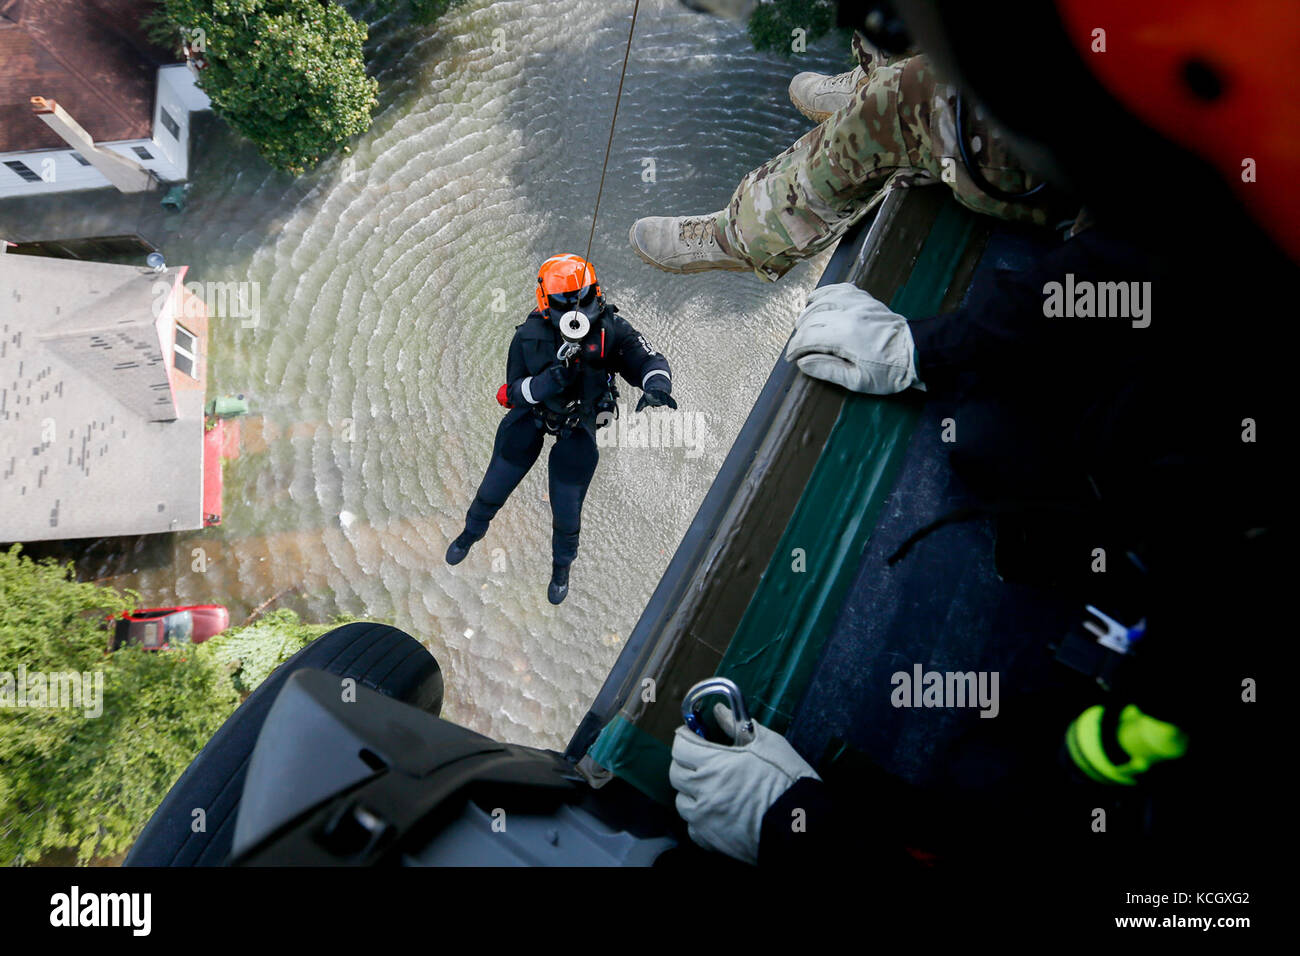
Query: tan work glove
(847,337)
(723,791)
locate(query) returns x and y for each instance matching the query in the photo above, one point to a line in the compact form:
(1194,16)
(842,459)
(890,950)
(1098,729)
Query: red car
(154,628)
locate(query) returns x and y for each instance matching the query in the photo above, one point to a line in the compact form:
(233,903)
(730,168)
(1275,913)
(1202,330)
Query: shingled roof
(93,441)
(92,56)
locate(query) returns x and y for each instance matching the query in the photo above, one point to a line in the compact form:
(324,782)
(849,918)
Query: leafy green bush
(288,74)
(70,778)
(249,654)
(772,23)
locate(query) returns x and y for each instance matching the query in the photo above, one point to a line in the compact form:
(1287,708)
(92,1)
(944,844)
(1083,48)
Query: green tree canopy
(73,779)
(288,74)
(773,22)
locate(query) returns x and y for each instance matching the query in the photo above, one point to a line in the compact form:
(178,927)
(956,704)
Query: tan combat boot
(683,243)
(817,96)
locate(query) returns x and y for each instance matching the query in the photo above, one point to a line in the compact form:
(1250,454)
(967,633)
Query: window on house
(186,351)
(142,152)
(170,124)
(23,170)
(81,160)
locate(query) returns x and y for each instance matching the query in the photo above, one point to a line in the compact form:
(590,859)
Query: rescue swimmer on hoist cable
(560,382)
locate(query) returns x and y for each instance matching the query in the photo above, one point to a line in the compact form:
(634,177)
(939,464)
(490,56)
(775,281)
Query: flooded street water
(372,371)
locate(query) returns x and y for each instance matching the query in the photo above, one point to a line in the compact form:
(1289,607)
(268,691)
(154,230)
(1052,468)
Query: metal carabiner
(718,685)
(566,351)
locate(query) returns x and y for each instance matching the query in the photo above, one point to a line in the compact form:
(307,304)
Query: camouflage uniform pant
(901,124)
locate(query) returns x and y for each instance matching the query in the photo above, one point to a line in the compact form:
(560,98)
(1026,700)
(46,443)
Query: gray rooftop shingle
(83,386)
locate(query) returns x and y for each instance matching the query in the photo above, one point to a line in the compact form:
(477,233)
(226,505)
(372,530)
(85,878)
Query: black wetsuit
(612,347)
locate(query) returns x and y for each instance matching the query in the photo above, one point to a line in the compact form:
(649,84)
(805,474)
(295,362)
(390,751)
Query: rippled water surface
(373,370)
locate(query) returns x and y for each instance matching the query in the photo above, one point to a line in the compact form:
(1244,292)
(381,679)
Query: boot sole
(817,116)
(686,269)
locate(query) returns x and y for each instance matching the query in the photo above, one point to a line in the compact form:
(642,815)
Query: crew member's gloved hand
(848,338)
(551,382)
(723,791)
(656,393)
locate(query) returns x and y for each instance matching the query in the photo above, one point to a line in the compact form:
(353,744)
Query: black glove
(657,394)
(552,381)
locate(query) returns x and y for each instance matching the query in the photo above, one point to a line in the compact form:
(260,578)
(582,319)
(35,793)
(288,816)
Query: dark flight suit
(1135,419)
(612,346)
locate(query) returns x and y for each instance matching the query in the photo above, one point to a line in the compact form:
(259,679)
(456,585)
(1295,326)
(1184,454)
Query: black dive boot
(460,547)
(559,588)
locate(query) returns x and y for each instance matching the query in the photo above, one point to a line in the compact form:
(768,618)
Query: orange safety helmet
(566,282)
(1173,119)
(1218,79)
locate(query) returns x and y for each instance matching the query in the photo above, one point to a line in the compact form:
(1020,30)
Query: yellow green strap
(1144,739)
